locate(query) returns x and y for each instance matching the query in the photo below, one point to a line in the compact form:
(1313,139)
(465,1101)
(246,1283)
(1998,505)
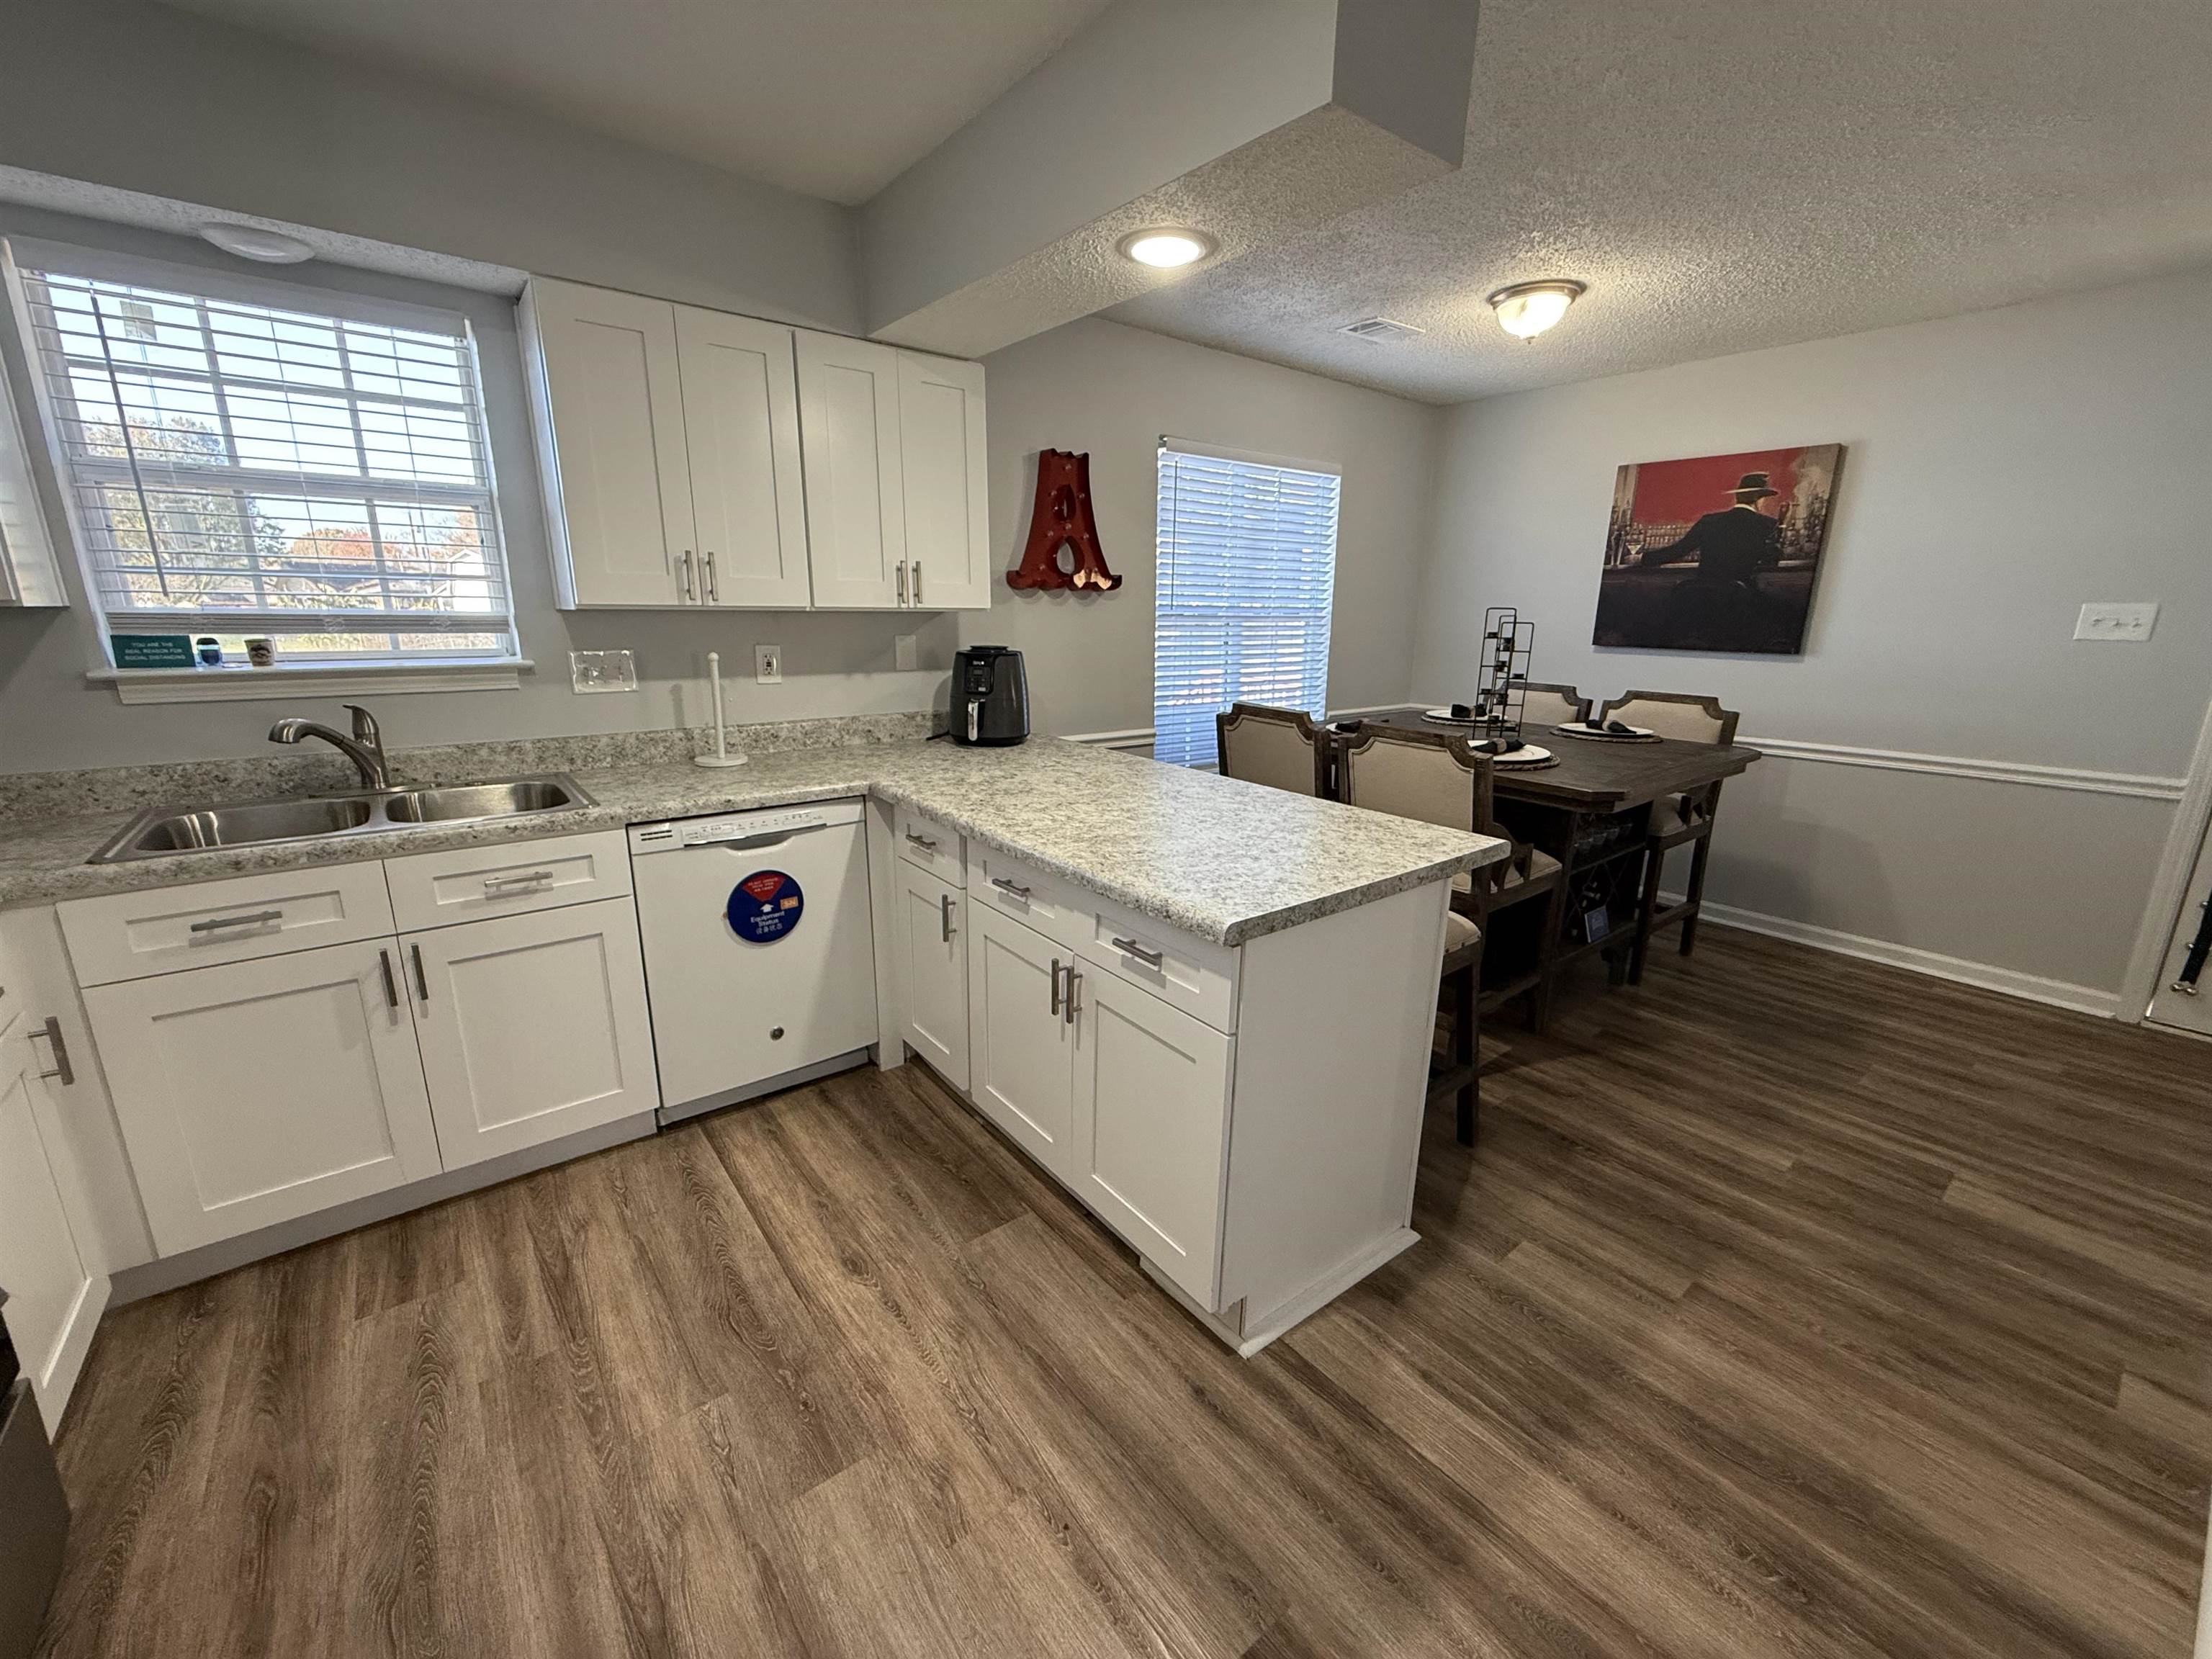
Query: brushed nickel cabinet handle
(714,589)
(527,881)
(945,917)
(926,842)
(1055,985)
(917,581)
(1130,947)
(216,924)
(1013,888)
(422,979)
(691,587)
(1074,981)
(52,1030)
(391,985)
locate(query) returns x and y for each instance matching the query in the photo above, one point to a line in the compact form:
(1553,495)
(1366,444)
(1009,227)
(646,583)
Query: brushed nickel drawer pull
(1055,985)
(917,581)
(945,917)
(927,842)
(713,587)
(902,582)
(216,924)
(1130,947)
(52,1030)
(422,979)
(1012,887)
(391,987)
(1074,981)
(528,882)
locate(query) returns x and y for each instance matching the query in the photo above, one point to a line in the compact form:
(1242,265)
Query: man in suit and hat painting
(1734,544)
(1717,606)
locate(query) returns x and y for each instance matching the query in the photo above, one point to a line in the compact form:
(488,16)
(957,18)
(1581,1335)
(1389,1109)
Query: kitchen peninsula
(1141,975)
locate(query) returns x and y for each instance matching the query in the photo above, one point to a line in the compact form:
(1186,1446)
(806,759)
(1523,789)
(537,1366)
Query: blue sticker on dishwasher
(765,906)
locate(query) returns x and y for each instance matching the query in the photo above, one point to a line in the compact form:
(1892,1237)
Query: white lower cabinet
(932,955)
(1022,1046)
(1151,1147)
(532,1027)
(55,1292)
(264,1091)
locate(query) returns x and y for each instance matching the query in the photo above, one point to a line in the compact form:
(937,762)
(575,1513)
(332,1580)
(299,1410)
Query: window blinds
(237,467)
(1247,575)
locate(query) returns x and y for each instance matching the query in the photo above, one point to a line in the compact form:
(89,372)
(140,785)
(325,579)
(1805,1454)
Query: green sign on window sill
(152,650)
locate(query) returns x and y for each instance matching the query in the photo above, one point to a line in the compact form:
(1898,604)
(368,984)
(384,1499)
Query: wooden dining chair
(1546,705)
(1675,820)
(1438,778)
(1281,748)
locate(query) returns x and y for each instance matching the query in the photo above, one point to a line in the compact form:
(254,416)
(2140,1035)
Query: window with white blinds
(1247,578)
(294,464)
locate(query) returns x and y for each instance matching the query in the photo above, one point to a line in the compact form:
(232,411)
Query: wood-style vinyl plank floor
(1790,1305)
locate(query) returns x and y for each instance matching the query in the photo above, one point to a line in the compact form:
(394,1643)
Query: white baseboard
(1248,1332)
(2058,992)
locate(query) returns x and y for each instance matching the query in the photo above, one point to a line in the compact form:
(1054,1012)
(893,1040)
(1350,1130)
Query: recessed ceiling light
(270,247)
(1166,246)
(1526,309)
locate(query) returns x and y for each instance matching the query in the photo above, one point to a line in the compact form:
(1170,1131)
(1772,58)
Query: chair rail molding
(2143,785)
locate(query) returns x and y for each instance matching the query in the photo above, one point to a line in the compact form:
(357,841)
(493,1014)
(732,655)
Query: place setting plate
(1634,734)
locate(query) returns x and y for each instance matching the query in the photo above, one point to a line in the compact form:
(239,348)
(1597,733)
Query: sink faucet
(365,748)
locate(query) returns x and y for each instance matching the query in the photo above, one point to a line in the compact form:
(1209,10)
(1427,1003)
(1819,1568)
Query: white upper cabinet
(29,575)
(608,399)
(948,533)
(741,433)
(695,457)
(848,425)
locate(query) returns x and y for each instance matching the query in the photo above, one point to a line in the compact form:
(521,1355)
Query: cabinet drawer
(436,889)
(1054,907)
(1185,973)
(929,843)
(121,936)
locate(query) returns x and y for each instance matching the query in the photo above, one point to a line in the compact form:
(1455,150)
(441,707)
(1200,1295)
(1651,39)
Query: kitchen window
(243,457)
(1247,577)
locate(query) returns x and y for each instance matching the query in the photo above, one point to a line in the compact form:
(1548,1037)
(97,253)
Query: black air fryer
(990,697)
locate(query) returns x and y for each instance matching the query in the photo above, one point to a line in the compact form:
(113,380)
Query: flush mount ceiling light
(1166,246)
(269,247)
(1526,309)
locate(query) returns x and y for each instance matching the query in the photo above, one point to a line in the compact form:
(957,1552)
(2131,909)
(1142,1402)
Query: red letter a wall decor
(1060,518)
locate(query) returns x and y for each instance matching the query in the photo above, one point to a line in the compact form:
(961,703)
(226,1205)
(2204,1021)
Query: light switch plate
(768,665)
(603,670)
(905,651)
(2128,623)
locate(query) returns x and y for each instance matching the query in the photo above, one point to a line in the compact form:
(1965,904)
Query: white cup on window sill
(261,651)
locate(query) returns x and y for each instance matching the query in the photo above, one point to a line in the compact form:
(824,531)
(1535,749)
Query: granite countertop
(1223,859)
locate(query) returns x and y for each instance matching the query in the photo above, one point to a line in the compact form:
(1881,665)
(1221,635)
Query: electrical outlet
(768,665)
(603,670)
(2128,623)
(906,653)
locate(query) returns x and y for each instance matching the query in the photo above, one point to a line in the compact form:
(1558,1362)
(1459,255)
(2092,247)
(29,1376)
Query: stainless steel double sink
(164,829)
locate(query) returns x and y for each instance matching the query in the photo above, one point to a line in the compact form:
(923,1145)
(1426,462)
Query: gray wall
(147,98)
(2001,469)
(1110,391)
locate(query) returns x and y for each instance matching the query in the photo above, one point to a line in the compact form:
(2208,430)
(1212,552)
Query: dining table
(1588,808)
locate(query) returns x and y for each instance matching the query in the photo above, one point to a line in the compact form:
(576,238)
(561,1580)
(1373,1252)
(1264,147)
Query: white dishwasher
(759,953)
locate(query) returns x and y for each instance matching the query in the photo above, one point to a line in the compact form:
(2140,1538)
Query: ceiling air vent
(1379,328)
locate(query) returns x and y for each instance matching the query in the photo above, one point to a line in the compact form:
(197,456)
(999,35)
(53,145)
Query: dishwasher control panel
(759,825)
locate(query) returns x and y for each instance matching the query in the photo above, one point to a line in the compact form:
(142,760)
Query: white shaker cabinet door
(941,451)
(55,1294)
(264,1091)
(933,943)
(609,401)
(741,432)
(849,435)
(1021,1047)
(1151,1127)
(532,1027)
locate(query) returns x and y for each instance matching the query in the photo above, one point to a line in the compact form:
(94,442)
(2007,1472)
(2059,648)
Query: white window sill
(286,680)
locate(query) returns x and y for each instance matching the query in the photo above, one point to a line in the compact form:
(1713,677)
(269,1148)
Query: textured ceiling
(833,98)
(1727,174)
